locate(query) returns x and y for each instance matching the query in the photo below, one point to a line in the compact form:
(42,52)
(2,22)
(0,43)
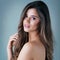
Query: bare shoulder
(26,52)
(28,47)
(32,50)
(28,44)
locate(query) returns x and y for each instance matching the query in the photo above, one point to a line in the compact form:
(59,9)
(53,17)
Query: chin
(26,30)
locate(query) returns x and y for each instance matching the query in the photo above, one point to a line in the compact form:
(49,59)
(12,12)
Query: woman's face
(31,20)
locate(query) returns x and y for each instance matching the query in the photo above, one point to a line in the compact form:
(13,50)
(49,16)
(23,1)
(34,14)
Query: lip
(26,25)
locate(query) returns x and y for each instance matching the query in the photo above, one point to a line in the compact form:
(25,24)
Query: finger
(10,44)
(14,36)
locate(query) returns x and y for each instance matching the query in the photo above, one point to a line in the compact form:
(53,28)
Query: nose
(28,19)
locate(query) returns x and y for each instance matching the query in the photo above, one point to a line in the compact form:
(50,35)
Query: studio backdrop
(10,11)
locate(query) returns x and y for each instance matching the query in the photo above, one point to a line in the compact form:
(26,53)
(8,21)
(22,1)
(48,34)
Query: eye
(33,18)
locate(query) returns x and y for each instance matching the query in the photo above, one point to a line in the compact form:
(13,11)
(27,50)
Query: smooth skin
(33,49)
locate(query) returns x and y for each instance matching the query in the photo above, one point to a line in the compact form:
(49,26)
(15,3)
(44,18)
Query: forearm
(9,54)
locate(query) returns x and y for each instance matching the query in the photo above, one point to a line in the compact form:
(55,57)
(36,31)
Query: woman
(34,40)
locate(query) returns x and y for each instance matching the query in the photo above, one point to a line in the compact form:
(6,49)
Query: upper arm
(26,52)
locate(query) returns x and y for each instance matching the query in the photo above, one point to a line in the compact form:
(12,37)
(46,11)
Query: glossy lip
(26,25)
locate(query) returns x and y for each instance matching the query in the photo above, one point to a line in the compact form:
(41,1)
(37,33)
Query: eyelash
(34,18)
(31,17)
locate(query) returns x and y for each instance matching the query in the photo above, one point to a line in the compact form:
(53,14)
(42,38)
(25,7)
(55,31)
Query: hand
(12,40)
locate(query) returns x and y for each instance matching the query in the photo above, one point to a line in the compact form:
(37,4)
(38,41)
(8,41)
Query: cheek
(34,24)
(24,21)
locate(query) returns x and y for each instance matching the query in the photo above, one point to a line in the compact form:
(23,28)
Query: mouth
(26,26)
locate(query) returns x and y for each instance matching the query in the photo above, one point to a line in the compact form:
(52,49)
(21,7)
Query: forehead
(32,11)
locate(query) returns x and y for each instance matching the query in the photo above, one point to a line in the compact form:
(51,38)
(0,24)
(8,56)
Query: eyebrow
(34,16)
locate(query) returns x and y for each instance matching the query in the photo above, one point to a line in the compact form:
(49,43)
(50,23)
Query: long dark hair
(44,29)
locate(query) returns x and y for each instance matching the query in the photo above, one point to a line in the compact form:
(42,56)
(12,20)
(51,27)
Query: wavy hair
(44,29)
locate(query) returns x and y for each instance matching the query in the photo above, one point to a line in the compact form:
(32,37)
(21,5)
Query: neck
(33,36)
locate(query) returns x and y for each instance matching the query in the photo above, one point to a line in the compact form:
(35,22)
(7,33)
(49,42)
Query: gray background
(10,11)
